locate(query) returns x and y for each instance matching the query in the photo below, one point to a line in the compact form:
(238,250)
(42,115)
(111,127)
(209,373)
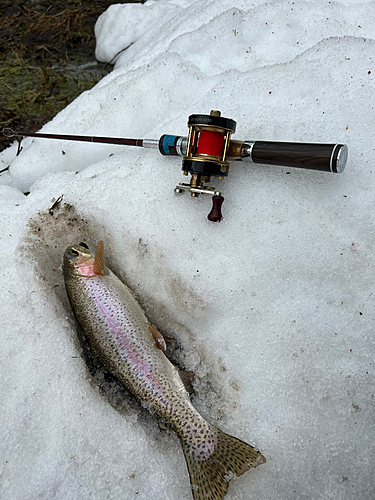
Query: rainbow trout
(122,338)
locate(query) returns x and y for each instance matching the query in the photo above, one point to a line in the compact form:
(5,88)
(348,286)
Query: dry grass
(42,45)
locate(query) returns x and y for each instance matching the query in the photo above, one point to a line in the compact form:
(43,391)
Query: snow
(272,309)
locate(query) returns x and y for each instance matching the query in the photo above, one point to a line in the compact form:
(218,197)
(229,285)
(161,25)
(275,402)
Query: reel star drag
(208,149)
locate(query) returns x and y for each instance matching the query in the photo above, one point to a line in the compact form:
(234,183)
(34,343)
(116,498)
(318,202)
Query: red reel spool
(210,143)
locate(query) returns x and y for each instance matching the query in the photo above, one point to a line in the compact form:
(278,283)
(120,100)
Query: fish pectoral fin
(158,338)
(99,262)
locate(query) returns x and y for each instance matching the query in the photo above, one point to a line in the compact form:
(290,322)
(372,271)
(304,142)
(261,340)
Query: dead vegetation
(43,46)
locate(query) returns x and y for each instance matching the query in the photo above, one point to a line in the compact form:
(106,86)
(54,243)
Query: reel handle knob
(215,214)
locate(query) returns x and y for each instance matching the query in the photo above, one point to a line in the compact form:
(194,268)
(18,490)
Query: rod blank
(7,132)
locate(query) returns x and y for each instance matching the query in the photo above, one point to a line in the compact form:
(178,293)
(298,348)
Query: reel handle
(323,157)
(215,214)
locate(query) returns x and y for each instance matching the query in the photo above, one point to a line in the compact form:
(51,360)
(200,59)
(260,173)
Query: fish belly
(117,330)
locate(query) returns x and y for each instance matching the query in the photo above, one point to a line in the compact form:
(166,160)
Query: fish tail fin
(231,457)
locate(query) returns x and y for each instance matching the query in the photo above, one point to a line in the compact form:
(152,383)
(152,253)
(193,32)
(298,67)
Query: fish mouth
(78,252)
(71,253)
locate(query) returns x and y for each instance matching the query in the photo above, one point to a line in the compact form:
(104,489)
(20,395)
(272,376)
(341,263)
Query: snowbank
(272,309)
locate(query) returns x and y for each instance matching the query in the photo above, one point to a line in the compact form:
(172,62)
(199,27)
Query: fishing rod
(208,149)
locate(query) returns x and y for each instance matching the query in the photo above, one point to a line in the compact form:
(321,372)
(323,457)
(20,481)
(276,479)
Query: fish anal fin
(187,379)
(231,457)
(99,262)
(158,338)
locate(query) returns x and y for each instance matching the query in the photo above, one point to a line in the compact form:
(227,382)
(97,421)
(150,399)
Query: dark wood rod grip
(325,157)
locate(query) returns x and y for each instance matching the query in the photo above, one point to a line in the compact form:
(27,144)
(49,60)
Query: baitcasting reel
(208,149)
(206,155)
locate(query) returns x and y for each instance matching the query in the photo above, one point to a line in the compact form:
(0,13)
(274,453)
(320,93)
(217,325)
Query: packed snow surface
(272,309)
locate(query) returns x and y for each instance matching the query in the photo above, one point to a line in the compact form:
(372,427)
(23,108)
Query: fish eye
(74,252)
(83,245)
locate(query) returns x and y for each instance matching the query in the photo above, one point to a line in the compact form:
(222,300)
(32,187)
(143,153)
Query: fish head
(80,262)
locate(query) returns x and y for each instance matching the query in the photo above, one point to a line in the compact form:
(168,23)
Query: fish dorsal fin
(158,338)
(99,263)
